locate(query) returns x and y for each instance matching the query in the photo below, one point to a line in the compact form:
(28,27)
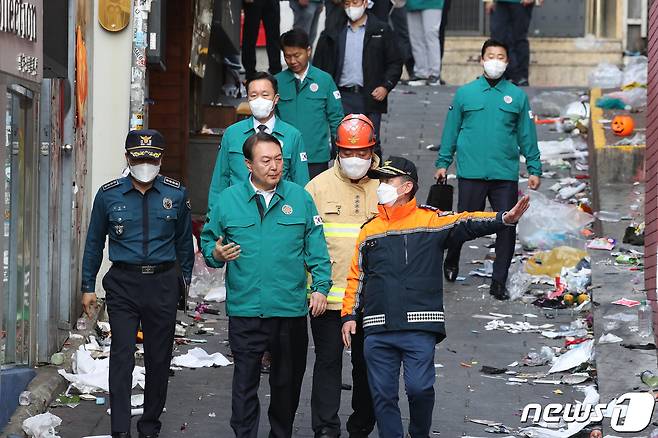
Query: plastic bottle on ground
(645,320)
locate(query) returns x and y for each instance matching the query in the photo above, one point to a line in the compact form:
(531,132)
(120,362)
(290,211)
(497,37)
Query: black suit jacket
(382,62)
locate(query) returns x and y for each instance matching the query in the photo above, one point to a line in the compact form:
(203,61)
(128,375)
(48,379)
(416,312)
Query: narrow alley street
(469,401)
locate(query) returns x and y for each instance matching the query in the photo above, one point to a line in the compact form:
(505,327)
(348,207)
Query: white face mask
(494,68)
(387,194)
(261,107)
(355,167)
(144,173)
(354,13)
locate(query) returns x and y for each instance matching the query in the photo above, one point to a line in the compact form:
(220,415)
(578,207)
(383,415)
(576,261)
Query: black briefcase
(440,196)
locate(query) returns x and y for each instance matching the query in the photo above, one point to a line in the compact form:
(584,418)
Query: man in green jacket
(263,95)
(310,100)
(268,233)
(489,124)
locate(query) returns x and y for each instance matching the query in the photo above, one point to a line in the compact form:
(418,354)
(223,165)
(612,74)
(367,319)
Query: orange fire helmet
(355,131)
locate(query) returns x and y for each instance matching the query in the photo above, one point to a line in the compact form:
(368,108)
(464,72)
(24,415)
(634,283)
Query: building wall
(169,90)
(651,157)
(110,110)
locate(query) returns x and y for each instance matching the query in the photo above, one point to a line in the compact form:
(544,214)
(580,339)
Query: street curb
(47,384)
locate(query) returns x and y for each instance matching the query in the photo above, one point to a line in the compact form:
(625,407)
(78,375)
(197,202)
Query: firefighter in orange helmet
(345,198)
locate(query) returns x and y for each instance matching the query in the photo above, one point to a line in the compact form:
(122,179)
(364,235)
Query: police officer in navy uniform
(147,218)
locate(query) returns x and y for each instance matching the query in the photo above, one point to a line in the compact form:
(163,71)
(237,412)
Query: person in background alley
(306,14)
(254,12)
(445,13)
(424,21)
(147,218)
(345,198)
(393,278)
(309,100)
(510,21)
(263,95)
(488,125)
(268,233)
(394,12)
(363,58)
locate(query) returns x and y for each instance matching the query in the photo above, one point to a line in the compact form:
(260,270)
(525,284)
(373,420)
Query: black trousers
(362,420)
(254,12)
(354,103)
(442,28)
(502,196)
(327,373)
(151,299)
(287,341)
(509,24)
(315,169)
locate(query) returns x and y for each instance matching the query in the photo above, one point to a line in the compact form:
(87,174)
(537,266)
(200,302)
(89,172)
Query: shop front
(20,78)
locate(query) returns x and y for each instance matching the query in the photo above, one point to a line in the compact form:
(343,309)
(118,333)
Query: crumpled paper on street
(42,426)
(574,357)
(591,398)
(198,358)
(609,338)
(91,375)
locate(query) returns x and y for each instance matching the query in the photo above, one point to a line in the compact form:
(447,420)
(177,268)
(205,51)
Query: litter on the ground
(626,302)
(42,425)
(576,356)
(198,358)
(609,338)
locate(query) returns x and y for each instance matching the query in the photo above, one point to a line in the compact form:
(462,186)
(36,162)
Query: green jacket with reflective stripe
(268,279)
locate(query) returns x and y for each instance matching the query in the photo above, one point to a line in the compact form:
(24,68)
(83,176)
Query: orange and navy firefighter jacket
(395,277)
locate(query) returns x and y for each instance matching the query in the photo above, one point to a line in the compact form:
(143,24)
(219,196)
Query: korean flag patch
(336,94)
(317,220)
(303,157)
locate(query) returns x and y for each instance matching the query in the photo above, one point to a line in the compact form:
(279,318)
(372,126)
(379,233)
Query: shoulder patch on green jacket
(171,182)
(110,185)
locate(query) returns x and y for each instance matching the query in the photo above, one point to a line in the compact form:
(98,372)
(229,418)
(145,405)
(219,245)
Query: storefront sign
(21,24)
(20,18)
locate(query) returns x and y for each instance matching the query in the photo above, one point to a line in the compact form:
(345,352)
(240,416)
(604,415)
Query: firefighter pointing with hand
(395,286)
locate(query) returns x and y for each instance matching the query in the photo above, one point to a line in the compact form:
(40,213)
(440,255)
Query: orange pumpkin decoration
(622,125)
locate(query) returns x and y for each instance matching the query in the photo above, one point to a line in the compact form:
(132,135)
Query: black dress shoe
(498,291)
(450,272)
(121,435)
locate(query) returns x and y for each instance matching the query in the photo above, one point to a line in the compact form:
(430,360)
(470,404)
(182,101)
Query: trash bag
(552,103)
(635,98)
(207,282)
(551,262)
(571,147)
(42,426)
(518,282)
(548,224)
(605,75)
(576,110)
(636,71)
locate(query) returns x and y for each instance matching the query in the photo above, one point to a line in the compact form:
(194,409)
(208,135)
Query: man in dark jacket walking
(362,56)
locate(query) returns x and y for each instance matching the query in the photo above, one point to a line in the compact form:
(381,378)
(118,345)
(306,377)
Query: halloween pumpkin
(622,125)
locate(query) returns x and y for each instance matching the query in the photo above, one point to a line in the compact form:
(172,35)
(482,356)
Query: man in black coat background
(362,55)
